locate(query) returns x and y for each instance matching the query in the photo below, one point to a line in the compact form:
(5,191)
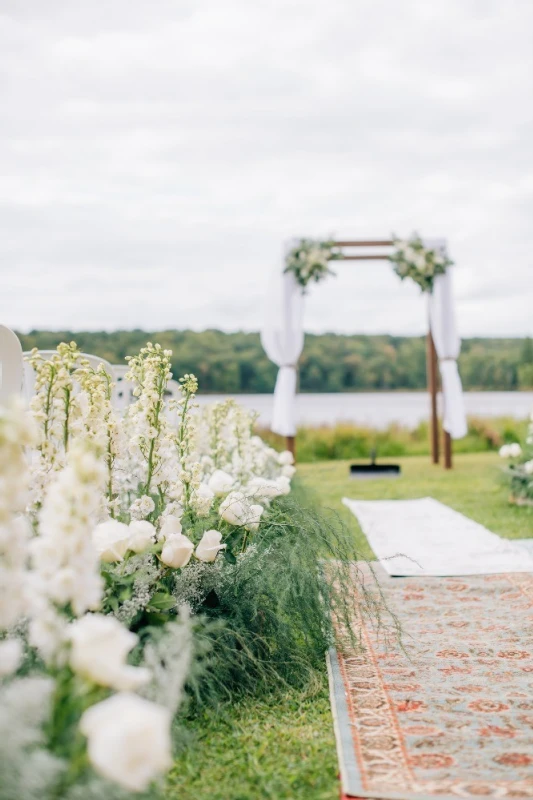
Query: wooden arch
(431,353)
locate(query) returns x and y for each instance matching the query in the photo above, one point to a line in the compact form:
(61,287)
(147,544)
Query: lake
(380,409)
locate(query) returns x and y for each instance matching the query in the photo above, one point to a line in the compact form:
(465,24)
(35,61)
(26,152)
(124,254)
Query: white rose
(284,484)
(209,546)
(142,535)
(205,492)
(285,458)
(262,488)
(288,471)
(254,517)
(128,740)
(234,509)
(528,467)
(515,451)
(99,648)
(504,451)
(221,482)
(177,551)
(10,656)
(419,261)
(111,539)
(171,526)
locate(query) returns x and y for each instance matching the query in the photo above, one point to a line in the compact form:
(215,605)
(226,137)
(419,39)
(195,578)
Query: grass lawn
(283,748)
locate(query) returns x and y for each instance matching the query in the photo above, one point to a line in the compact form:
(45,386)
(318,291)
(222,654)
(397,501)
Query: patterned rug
(449,712)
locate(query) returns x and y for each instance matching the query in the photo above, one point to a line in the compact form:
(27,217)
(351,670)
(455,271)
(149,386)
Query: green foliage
(236,362)
(344,440)
(269,621)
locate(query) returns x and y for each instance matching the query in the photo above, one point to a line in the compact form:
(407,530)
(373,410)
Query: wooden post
(448,463)
(431,360)
(291,445)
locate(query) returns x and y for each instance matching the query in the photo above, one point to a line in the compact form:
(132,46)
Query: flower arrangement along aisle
(77,718)
(421,264)
(194,512)
(309,261)
(519,471)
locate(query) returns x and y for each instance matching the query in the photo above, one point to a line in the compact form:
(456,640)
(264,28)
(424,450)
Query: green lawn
(284,748)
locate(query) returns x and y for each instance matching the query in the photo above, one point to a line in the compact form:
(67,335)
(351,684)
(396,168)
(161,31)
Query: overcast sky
(156,154)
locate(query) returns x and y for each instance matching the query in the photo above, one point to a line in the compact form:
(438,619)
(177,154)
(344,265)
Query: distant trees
(235,362)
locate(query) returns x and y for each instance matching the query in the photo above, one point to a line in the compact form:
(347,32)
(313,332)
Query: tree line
(236,362)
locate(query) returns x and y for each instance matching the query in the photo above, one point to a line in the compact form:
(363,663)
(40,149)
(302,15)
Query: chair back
(11,364)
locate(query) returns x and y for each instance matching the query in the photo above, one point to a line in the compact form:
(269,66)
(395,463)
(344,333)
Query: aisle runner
(452,717)
(425,537)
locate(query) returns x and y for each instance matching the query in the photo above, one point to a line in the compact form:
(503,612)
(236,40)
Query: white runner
(425,537)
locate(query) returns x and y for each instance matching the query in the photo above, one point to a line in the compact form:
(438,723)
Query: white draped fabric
(448,346)
(283,339)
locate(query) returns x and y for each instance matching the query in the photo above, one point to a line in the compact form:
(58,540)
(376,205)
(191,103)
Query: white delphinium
(185,438)
(64,558)
(56,410)
(142,507)
(150,434)
(101,424)
(28,770)
(17,431)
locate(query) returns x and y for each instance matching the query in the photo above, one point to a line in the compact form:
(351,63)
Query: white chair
(29,374)
(123,390)
(11,365)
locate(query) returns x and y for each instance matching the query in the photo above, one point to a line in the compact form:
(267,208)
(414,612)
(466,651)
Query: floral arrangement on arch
(309,261)
(421,264)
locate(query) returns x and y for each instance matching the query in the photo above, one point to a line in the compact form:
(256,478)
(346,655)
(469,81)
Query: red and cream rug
(448,711)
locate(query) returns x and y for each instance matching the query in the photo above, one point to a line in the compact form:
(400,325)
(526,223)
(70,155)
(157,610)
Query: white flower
(142,507)
(171,526)
(262,488)
(234,508)
(510,450)
(99,648)
(285,458)
(142,535)
(10,656)
(177,551)
(284,484)
(288,471)
(221,482)
(254,517)
(111,540)
(209,546)
(528,467)
(128,740)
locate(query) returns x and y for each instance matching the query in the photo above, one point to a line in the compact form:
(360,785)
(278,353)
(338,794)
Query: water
(380,409)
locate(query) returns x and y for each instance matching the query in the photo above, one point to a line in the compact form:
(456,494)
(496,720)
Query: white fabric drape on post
(448,346)
(283,339)
(11,364)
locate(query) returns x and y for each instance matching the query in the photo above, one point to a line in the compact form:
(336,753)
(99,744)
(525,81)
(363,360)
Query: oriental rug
(425,537)
(447,711)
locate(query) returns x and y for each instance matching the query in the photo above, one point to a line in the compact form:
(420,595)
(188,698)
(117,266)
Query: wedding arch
(426,262)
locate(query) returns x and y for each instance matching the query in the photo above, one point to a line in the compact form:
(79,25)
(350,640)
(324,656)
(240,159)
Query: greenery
(236,362)
(269,619)
(282,748)
(345,440)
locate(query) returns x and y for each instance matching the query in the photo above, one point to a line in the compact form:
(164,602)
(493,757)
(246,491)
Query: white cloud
(154,156)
